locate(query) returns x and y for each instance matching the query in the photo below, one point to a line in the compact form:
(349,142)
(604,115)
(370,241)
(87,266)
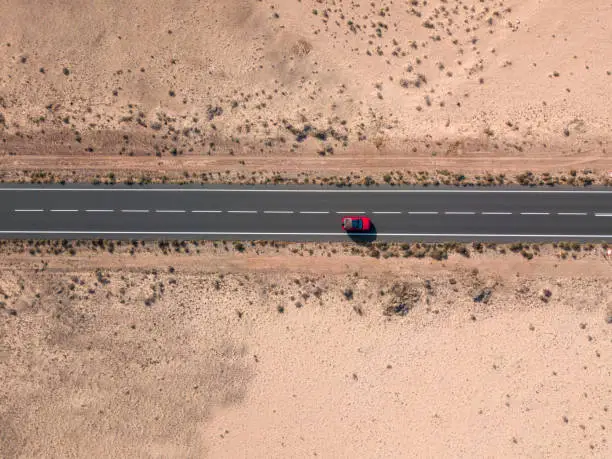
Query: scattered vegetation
(385,250)
(204,128)
(403,297)
(584,178)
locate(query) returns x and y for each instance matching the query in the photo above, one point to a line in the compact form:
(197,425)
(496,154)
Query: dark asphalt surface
(282,213)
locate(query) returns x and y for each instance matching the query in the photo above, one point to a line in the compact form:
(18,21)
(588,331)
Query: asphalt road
(300,213)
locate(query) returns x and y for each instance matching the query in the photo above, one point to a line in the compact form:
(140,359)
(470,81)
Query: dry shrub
(403,298)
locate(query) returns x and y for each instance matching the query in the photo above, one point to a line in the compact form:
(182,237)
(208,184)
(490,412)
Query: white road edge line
(278,211)
(294,190)
(232,233)
(497,213)
(459,213)
(351,213)
(242,211)
(99,210)
(63,210)
(29,210)
(603,215)
(170,211)
(572,213)
(134,211)
(423,213)
(535,213)
(206,211)
(314,212)
(387,213)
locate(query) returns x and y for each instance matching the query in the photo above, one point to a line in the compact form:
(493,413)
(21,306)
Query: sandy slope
(211,85)
(199,361)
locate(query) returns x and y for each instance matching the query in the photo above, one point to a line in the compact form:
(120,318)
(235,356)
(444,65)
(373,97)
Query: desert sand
(293,88)
(271,353)
(253,350)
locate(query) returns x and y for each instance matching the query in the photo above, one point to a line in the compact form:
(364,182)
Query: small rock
(483,296)
(545,295)
(401,310)
(213,112)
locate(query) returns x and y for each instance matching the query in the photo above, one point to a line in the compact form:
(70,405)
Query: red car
(356,224)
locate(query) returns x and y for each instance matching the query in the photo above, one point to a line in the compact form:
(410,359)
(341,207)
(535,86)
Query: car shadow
(364,238)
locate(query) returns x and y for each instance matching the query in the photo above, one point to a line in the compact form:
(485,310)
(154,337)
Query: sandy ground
(270,353)
(276,354)
(303,87)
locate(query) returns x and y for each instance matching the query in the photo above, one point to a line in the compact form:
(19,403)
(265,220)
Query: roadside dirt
(303,90)
(217,353)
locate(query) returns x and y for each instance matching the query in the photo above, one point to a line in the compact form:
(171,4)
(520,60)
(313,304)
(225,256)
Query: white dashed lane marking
(311,212)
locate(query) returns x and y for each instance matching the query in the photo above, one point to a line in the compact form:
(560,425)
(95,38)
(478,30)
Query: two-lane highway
(304,213)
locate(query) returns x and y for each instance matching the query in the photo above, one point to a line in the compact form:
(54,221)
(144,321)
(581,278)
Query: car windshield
(357,224)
